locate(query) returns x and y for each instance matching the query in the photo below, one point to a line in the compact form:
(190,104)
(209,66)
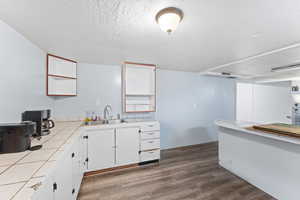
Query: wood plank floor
(183,174)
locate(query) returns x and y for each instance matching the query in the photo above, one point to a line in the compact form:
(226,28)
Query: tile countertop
(19,171)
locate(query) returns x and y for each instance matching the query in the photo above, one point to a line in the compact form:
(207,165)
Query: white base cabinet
(97,149)
(109,148)
(127,146)
(45,191)
(64,182)
(150,142)
(101,149)
(77,166)
(63,185)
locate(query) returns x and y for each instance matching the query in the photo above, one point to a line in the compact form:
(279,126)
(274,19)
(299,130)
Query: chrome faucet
(107,113)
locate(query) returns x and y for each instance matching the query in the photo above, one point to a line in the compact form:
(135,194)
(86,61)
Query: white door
(63,178)
(263,103)
(101,149)
(140,80)
(244,102)
(127,146)
(272,104)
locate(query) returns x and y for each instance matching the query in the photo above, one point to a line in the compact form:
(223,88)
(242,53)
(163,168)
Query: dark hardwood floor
(183,174)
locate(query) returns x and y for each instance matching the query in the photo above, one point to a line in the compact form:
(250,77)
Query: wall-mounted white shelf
(61,76)
(139,87)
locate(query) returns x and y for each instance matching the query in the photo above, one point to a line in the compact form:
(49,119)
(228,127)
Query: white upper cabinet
(139,87)
(61,76)
(140,80)
(61,67)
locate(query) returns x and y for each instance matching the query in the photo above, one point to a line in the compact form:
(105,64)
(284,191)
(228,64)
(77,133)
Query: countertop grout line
(6,184)
(19,190)
(13,164)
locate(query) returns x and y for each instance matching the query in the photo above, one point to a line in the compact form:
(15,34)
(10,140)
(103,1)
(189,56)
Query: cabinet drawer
(149,155)
(150,127)
(150,135)
(150,144)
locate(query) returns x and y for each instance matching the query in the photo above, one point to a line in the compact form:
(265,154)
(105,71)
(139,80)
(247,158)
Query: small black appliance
(42,120)
(16,137)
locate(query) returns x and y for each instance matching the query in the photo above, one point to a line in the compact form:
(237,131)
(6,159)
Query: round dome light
(169,18)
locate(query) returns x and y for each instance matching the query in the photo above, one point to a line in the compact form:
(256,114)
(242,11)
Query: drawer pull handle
(150,142)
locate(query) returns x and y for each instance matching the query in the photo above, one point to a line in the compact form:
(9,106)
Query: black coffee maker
(42,120)
(16,137)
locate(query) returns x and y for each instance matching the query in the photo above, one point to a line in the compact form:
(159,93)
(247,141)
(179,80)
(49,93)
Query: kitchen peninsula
(268,161)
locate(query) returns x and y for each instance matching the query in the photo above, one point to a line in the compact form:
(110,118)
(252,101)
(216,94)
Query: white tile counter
(20,171)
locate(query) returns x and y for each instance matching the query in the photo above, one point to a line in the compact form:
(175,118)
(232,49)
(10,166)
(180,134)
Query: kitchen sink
(104,122)
(115,121)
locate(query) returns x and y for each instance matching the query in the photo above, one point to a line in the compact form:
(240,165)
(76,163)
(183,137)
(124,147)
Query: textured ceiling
(212,33)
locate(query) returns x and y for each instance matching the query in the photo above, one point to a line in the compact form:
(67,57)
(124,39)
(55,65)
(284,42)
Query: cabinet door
(45,191)
(85,152)
(127,146)
(63,178)
(77,169)
(101,149)
(140,80)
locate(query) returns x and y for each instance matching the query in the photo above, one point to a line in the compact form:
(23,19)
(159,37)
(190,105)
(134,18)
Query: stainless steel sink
(104,122)
(115,121)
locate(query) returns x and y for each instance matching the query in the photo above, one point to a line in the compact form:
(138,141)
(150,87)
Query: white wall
(22,76)
(188,105)
(98,85)
(187,102)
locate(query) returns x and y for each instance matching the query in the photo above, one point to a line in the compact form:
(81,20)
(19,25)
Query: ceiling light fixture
(169,18)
